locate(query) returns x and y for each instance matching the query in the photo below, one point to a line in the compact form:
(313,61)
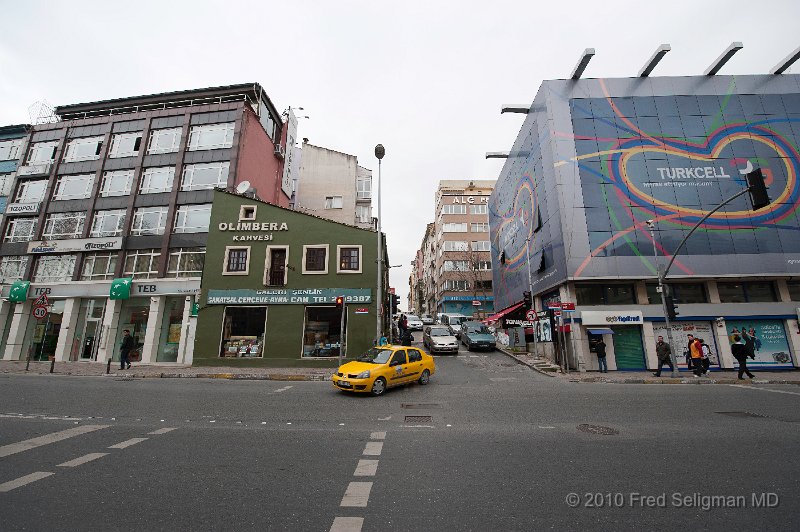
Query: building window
(193,218)
(794,290)
(9,149)
(125,145)
(484,265)
(116,183)
(455,245)
(164,140)
(237,261)
(211,136)
(77,186)
(43,152)
(602,294)
(454,228)
(481,245)
(99,266)
(61,225)
(20,229)
(455,285)
(682,292)
(315,259)
(54,268)
(247,213)
(86,149)
(142,263)
(31,191)
(747,292)
(454,209)
(349,259)
(364,187)
(12,268)
(149,221)
(363,214)
(479,209)
(456,266)
(186,262)
(483,285)
(479,228)
(333,202)
(155,180)
(108,223)
(205,176)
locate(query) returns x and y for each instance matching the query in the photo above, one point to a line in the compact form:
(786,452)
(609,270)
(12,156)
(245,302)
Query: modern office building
(12,144)
(109,217)
(331,184)
(599,161)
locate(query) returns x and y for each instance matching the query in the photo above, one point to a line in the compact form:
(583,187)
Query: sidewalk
(647,377)
(95,369)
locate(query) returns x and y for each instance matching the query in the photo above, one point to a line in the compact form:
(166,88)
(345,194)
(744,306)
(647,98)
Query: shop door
(628,348)
(90,331)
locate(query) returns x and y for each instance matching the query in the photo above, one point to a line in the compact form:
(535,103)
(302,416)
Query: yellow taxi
(383,367)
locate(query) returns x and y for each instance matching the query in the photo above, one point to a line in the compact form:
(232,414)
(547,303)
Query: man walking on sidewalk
(696,352)
(663,352)
(739,352)
(125,349)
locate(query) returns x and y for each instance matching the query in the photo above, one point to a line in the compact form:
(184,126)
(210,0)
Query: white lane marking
(546,427)
(347,524)
(283,389)
(163,431)
(373,448)
(418,426)
(377,436)
(32,443)
(21,481)
(751,387)
(366,468)
(385,418)
(44,416)
(127,443)
(357,494)
(82,459)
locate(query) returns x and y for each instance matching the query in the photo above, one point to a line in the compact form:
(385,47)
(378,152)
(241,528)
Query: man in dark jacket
(125,349)
(663,352)
(739,352)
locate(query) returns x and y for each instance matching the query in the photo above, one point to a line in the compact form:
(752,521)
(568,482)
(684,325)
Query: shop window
(125,145)
(134,317)
(116,183)
(205,176)
(349,259)
(77,186)
(9,149)
(43,152)
(142,263)
(322,332)
(211,136)
(794,290)
(54,268)
(186,262)
(108,223)
(85,149)
(171,329)
(247,213)
(149,221)
(99,266)
(237,261)
(333,202)
(87,329)
(62,225)
(243,331)
(315,259)
(20,229)
(746,292)
(275,270)
(158,179)
(193,218)
(31,191)
(164,140)
(41,336)
(12,268)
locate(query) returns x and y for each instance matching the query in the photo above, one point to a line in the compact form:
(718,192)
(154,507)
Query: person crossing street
(663,352)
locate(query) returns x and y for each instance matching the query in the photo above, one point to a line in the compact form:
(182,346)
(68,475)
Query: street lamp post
(380,151)
(672,355)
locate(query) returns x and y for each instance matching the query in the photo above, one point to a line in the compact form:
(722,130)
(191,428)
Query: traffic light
(672,308)
(758,190)
(395,303)
(527,300)
(339,302)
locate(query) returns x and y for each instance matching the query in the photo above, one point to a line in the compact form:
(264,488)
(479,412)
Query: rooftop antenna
(41,112)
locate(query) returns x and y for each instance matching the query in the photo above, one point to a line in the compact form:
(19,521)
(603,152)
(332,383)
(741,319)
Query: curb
(706,382)
(226,376)
(526,363)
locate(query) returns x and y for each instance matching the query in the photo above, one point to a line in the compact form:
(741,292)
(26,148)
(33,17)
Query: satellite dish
(243,187)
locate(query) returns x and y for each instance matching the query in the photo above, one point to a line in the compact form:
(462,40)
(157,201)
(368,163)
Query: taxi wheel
(379,386)
(425,378)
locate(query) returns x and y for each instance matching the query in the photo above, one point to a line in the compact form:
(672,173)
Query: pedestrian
(705,355)
(696,352)
(688,351)
(125,349)
(600,350)
(739,352)
(749,342)
(403,324)
(663,352)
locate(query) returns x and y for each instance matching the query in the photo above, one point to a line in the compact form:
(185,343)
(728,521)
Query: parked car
(384,367)
(439,339)
(414,323)
(427,319)
(453,321)
(476,335)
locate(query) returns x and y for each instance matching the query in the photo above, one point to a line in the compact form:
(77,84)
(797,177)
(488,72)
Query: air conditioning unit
(280,151)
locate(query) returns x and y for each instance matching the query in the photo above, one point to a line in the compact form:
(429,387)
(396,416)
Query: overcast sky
(424,78)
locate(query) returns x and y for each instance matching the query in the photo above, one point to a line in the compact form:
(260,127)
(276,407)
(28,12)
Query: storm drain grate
(597,429)
(740,414)
(419,406)
(419,419)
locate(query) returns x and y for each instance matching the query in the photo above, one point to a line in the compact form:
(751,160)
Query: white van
(453,320)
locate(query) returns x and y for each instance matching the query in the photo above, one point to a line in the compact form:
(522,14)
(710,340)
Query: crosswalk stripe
(366,468)
(163,431)
(373,448)
(377,436)
(22,481)
(127,443)
(357,494)
(26,445)
(347,524)
(82,459)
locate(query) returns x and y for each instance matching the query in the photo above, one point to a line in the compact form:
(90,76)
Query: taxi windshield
(376,355)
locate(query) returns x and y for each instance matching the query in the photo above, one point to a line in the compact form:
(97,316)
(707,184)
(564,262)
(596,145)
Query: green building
(271,282)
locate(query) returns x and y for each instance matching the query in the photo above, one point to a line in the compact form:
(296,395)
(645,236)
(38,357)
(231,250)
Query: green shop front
(282,287)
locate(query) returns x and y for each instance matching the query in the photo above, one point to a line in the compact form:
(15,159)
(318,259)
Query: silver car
(439,339)
(427,319)
(414,323)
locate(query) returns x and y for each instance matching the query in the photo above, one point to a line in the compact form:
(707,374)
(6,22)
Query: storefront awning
(600,331)
(19,291)
(121,288)
(496,316)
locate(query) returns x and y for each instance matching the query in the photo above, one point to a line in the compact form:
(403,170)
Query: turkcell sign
(288,296)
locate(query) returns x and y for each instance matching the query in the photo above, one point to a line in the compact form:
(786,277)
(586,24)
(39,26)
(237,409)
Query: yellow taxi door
(398,368)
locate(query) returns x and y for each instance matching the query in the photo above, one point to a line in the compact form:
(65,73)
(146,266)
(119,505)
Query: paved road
(488,445)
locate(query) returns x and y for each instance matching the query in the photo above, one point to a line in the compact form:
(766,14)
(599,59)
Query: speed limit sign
(39,312)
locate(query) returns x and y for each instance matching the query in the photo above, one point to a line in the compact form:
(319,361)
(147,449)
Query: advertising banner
(288,296)
(766,339)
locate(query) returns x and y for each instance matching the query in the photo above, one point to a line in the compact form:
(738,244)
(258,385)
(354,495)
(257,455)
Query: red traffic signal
(340,301)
